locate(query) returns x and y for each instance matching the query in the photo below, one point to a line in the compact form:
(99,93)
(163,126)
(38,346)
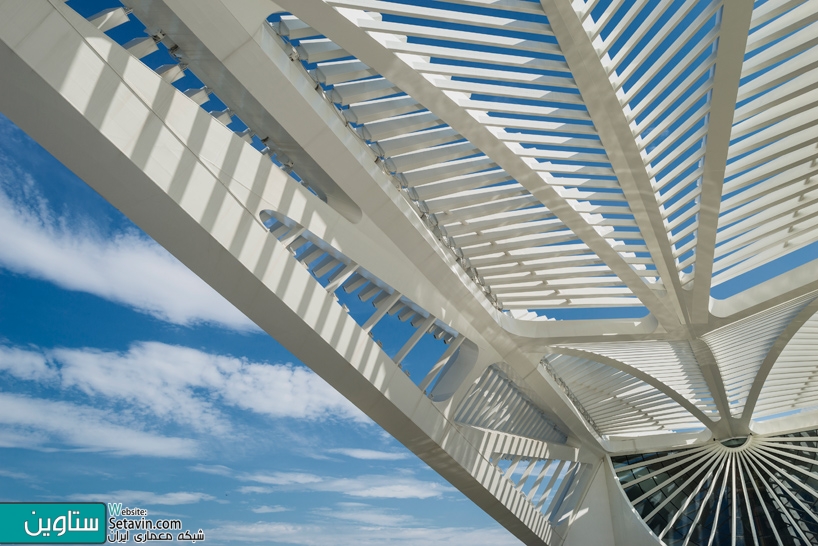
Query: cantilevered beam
(357,42)
(788,286)
(197,188)
(735,25)
(618,140)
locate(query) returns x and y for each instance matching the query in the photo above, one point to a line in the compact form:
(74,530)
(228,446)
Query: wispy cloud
(363,513)
(183,385)
(214,469)
(270,509)
(384,487)
(126,267)
(255,490)
(36,423)
(260,531)
(369,454)
(281,478)
(15,475)
(401,485)
(147,498)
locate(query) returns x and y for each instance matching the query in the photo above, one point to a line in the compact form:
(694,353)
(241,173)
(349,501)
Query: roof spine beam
(618,140)
(735,25)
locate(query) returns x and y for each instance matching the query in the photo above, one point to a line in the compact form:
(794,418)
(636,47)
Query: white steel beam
(735,25)
(786,287)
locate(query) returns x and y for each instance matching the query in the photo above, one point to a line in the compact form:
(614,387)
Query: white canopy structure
(600,218)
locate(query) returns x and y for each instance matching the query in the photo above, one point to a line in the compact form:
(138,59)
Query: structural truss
(594,223)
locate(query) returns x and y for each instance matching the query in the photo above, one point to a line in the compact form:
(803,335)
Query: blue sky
(125,378)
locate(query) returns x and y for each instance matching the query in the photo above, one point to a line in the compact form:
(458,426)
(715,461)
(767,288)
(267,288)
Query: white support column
(423,327)
(444,358)
(383,307)
(292,236)
(341,277)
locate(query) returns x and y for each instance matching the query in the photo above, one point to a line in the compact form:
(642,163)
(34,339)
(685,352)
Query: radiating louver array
(501,66)
(792,383)
(741,348)
(660,59)
(341,276)
(176,69)
(770,204)
(496,403)
(615,402)
(672,363)
(766,365)
(760,490)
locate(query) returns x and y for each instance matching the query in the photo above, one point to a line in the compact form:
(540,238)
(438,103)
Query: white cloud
(144,377)
(369,454)
(38,424)
(25,439)
(25,364)
(135,498)
(126,268)
(183,385)
(270,509)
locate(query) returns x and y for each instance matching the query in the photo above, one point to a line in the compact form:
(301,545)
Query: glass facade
(762,490)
